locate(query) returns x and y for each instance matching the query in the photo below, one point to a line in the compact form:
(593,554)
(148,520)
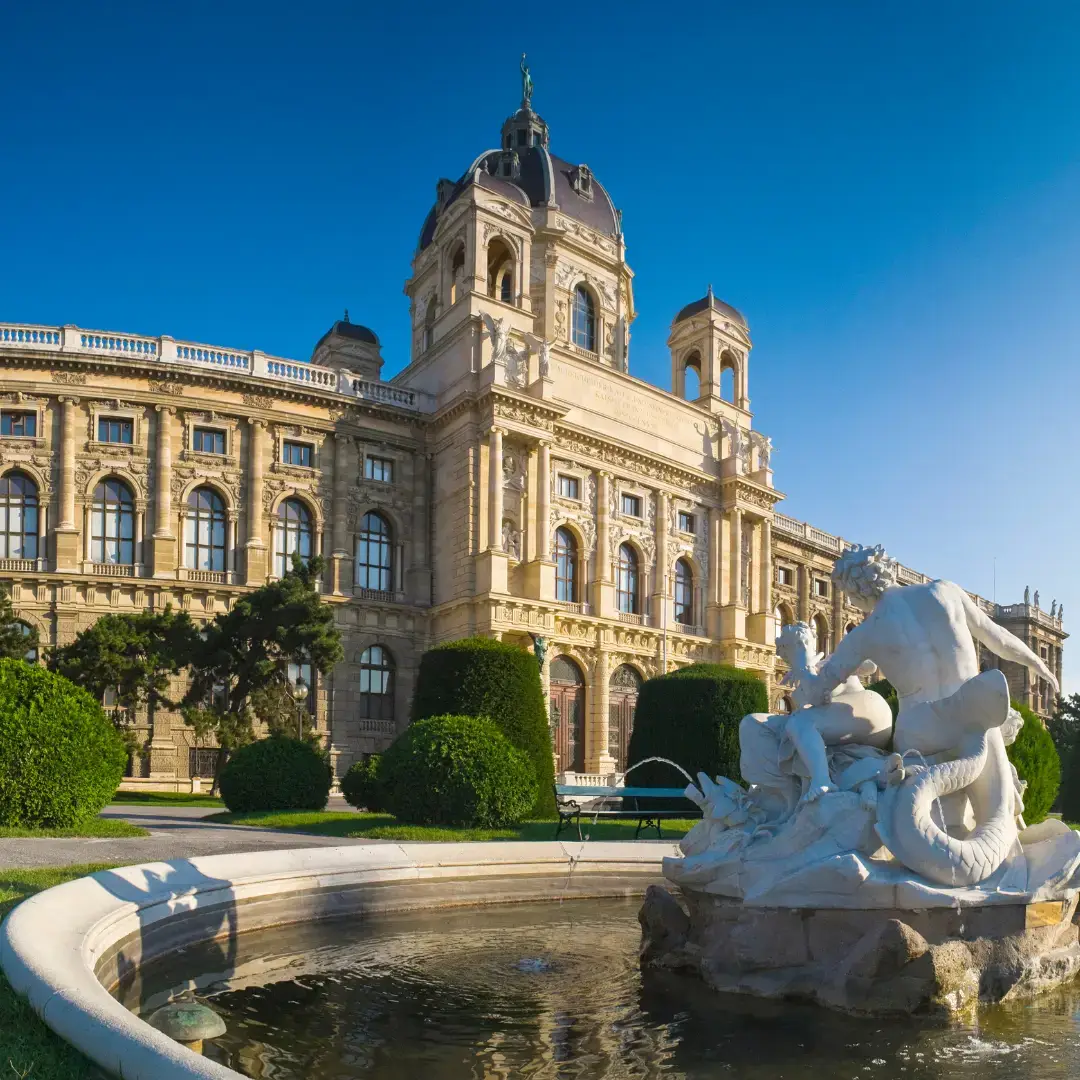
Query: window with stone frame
(18,424)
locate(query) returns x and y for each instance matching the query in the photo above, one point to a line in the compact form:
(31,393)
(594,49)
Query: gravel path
(176,832)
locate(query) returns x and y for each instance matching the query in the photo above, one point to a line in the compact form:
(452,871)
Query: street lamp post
(299,691)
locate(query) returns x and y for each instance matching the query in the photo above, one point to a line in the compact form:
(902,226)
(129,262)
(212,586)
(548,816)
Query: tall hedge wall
(484,677)
(692,716)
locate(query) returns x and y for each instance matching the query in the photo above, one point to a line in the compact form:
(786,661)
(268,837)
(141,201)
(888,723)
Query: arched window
(821,634)
(205,530)
(727,378)
(684,592)
(31,654)
(692,377)
(374,554)
(292,534)
(847,629)
(566,558)
(112,524)
(583,319)
(18,517)
(628,586)
(500,271)
(457,273)
(376,684)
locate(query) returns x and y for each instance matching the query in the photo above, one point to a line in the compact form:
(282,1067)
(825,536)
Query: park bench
(569,797)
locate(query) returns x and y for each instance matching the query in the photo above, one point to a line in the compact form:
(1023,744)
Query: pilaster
(597,759)
(164,554)
(255,547)
(68,556)
(341,562)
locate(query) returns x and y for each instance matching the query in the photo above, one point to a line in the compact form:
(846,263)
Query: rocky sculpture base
(873,961)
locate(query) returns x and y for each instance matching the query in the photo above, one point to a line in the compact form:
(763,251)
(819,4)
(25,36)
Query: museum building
(514,480)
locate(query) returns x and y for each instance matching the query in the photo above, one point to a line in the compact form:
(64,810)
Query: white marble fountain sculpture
(833,819)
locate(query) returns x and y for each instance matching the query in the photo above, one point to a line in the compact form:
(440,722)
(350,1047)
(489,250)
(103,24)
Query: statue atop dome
(526,85)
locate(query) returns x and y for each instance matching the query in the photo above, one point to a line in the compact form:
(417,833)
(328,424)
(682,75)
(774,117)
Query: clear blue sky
(890,192)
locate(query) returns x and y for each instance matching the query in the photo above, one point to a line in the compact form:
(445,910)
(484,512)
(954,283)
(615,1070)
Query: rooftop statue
(526,85)
(834,812)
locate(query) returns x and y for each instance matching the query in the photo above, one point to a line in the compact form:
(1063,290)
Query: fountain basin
(65,948)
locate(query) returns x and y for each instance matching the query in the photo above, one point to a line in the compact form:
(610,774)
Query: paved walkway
(176,832)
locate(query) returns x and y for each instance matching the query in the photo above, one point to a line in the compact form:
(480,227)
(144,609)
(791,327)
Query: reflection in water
(554,991)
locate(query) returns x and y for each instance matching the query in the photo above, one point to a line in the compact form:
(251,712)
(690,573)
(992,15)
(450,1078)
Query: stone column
(603,584)
(767,571)
(599,760)
(256,544)
(804,593)
(418,583)
(735,570)
(67,529)
(543,501)
(495,488)
(340,576)
(661,616)
(163,542)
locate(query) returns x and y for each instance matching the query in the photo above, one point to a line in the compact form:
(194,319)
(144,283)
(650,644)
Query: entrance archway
(622,703)
(567,714)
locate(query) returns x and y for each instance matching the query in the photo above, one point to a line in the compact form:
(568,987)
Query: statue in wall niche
(510,539)
(543,349)
(839,803)
(539,649)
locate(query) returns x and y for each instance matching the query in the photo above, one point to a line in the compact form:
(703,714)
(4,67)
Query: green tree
(245,652)
(17,638)
(1037,762)
(1064,725)
(136,655)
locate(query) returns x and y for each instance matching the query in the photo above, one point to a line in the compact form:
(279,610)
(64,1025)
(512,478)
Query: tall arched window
(692,377)
(821,634)
(112,524)
(205,530)
(374,554)
(18,517)
(628,585)
(376,684)
(583,319)
(500,271)
(31,654)
(566,557)
(684,592)
(293,533)
(457,273)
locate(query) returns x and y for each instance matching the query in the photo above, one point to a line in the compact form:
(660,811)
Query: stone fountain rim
(54,943)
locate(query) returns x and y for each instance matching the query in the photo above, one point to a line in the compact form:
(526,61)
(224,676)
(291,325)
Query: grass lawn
(28,1049)
(384,827)
(109,827)
(163,798)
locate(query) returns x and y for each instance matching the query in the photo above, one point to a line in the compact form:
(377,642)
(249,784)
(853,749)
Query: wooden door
(567,714)
(622,703)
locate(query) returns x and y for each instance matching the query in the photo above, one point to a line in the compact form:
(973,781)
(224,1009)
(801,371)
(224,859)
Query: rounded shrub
(1037,761)
(362,785)
(483,677)
(278,773)
(692,717)
(61,760)
(457,770)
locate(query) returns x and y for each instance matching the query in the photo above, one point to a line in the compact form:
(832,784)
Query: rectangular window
(821,587)
(569,487)
(687,523)
(380,469)
(208,441)
(785,575)
(18,423)
(631,505)
(296,453)
(115,429)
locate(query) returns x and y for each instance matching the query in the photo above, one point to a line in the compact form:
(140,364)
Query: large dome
(526,172)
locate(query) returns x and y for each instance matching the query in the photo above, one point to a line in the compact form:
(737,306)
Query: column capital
(256,421)
(169,410)
(342,438)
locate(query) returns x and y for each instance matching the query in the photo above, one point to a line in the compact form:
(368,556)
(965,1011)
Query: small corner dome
(709,302)
(350,330)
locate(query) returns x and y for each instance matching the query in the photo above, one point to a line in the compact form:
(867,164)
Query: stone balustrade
(76,341)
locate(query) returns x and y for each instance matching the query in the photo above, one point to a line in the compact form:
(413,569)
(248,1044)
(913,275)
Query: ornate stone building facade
(514,480)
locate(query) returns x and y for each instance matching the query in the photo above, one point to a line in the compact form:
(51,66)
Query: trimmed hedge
(456,770)
(888,692)
(483,677)
(362,786)
(692,717)
(61,760)
(1037,761)
(278,773)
